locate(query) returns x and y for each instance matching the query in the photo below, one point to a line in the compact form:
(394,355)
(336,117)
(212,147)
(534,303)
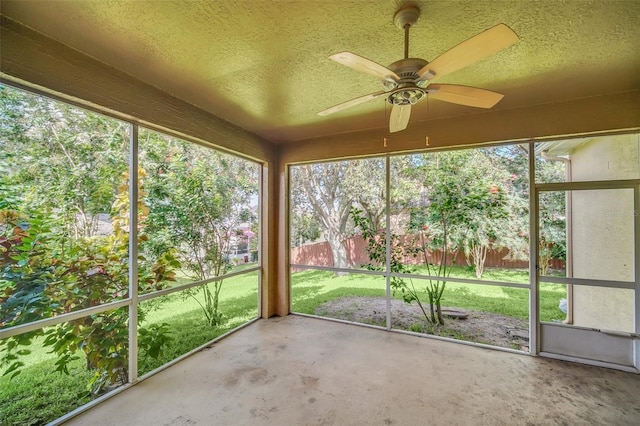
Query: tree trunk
(479,255)
(338,251)
(440,318)
(544,256)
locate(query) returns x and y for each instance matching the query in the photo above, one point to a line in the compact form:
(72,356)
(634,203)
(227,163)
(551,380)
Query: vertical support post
(259,236)
(286,229)
(534,346)
(569,244)
(133,254)
(636,232)
(388,237)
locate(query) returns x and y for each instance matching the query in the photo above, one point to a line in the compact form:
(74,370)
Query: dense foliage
(65,227)
(477,198)
(198,199)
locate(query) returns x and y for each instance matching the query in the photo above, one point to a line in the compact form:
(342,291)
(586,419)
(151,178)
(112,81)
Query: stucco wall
(603,238)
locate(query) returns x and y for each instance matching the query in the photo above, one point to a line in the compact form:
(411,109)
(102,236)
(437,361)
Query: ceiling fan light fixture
(406,96)
(390,84)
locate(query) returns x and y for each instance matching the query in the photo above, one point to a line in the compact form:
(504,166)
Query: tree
(552,240)
(62,156)
(438,208)
(462,206)
(331,189)
(63,168)
(303,227)
(303,224)
(376,239)
(198,198)
(495,221)
(514,228)
(552,233)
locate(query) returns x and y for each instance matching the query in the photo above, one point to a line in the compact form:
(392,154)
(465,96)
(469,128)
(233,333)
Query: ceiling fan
(408,80)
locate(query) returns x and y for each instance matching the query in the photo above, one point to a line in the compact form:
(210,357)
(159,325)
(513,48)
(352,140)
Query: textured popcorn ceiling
(263,64)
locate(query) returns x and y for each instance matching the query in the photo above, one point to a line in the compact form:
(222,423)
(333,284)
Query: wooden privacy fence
(319,254)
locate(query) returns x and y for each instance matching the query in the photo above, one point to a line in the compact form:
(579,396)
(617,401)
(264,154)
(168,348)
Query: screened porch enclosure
(431,243)
(532,248)
(180,251)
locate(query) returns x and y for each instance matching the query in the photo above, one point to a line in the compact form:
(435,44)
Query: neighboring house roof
(561,147)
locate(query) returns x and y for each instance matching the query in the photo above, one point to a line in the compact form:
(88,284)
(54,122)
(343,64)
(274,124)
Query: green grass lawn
(309,289)
(39,395)
(238,304)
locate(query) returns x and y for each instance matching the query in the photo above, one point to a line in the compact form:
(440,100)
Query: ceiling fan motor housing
(405,90)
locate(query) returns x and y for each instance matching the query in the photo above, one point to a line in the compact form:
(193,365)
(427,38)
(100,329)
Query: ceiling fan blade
(364,65)
(464,95)
(352,102)
(469,51)
(399,117)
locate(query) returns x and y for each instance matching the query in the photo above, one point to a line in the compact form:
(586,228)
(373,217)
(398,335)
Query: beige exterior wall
(603,237)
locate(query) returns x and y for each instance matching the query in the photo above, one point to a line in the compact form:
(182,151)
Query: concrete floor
(306,371)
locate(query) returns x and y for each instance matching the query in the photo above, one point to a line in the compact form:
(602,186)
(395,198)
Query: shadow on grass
(514,304)
(190,330)
(306,299)
(310,277)
(39,394)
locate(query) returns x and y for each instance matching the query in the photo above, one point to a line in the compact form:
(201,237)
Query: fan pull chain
(384,120)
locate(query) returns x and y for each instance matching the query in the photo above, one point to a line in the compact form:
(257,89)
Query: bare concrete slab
(305,371)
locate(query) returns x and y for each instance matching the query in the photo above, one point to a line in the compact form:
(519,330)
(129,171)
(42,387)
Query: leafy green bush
(44,274)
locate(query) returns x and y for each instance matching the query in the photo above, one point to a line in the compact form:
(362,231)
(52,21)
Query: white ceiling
(263,64)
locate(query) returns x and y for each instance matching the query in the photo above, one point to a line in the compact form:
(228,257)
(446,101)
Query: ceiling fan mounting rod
(404,19)
(406,40)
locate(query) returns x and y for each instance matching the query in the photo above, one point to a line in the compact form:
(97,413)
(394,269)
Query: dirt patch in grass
(480,327)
